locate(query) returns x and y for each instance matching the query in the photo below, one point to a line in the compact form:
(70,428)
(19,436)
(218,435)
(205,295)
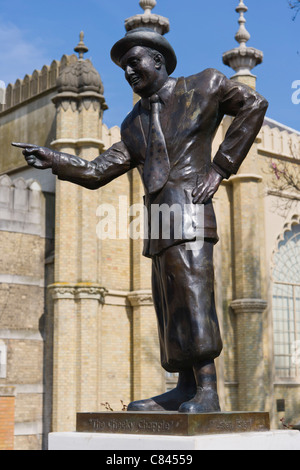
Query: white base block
(270,440)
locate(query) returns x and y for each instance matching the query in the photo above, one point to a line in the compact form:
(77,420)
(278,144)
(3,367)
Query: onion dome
(81,76)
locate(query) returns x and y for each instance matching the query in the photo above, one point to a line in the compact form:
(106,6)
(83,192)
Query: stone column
(78,296)
(249,288)
(77,312)
(148,376)
(89,299)
(64,358)
(248,228)
(250,360)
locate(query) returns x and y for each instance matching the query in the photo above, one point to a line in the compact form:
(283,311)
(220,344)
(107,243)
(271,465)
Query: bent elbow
(264,104)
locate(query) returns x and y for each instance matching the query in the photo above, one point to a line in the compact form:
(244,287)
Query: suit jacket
(192,110)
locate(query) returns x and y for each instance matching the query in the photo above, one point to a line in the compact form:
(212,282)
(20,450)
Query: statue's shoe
(205,401)
(169,401)
(146,405)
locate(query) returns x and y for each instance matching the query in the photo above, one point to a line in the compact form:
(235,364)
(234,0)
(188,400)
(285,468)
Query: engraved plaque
(172,423)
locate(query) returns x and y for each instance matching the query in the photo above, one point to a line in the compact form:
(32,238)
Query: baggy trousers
(183,295)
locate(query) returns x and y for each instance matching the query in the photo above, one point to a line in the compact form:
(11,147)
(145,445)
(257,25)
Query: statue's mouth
(134,80)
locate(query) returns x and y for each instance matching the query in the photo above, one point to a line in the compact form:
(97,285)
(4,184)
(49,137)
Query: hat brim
(145,38)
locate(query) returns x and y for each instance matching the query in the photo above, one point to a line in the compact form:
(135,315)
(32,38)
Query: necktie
(157,165)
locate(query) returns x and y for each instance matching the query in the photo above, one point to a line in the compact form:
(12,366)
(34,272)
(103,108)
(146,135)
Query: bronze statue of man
(168,137)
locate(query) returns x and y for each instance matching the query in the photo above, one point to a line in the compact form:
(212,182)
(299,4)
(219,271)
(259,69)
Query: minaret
(243,59)
(78,298)
(249,287)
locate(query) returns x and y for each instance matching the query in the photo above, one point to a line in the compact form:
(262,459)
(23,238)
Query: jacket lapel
(179,104)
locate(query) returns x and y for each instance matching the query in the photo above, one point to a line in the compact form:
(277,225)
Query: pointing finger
(23,146)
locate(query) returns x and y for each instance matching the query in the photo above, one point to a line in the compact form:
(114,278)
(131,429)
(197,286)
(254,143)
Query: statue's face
(142,71)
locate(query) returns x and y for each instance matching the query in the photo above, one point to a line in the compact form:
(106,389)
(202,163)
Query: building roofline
(272,123)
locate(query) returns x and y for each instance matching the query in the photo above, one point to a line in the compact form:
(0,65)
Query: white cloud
(21,54)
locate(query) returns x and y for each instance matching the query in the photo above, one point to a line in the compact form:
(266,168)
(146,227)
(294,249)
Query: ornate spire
(242,36)
(81,47)
(147,5)
(79,80)
(148,20)
(242,59)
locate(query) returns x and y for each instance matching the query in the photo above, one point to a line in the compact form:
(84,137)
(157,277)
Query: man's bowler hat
(145,37)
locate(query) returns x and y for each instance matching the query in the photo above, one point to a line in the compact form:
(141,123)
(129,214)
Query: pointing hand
(38,157)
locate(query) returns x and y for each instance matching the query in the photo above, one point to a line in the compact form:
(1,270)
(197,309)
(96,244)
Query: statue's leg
(206,399)
(183,294)
(169,401)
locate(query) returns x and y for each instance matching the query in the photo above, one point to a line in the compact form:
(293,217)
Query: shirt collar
(164,93)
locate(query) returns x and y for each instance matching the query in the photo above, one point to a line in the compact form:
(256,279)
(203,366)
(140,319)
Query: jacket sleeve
(92,175)
(248,109)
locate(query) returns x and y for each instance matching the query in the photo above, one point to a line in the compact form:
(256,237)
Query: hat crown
(145,37)
(139,30)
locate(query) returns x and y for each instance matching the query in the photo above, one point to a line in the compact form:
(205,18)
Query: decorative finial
(148,20)
(243,59)
(147,5)
(242,36)
(81,47)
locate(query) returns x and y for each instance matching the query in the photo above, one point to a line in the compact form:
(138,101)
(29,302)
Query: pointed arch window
(286,305)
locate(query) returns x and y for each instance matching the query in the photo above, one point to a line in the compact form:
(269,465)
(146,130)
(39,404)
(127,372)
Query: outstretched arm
(92,175)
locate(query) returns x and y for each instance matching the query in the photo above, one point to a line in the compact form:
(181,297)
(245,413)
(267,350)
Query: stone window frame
(286,303)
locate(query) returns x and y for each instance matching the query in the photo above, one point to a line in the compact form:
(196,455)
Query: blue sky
(34,32)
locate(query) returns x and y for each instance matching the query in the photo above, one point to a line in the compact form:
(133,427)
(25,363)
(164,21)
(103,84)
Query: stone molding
(245,177)
(79,143)
(7,391)
(140,298)
(116,298)
(21,280)
(79,101)
(77,291)
(248,306)
(20,335)
(96,292)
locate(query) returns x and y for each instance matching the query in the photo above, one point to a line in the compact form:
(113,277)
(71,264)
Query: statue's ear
(159,60)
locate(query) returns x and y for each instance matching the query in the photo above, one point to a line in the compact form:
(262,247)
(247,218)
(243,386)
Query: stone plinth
(171,423)
(269,440)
